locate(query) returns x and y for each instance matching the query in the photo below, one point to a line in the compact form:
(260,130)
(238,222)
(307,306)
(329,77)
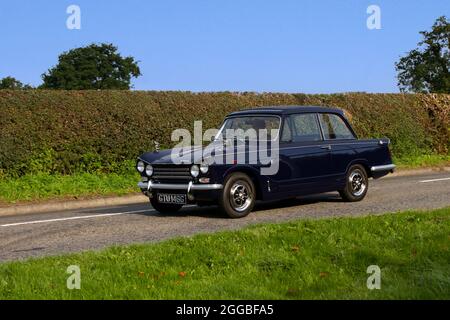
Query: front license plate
(171,198)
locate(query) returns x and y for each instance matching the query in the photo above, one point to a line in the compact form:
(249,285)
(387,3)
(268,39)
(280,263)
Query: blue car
(272,153)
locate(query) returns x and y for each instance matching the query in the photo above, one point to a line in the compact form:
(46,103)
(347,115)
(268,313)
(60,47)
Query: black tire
(164,207)
(357,184)
(238,195)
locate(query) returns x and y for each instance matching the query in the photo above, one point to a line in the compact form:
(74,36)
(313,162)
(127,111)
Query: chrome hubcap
(357,183)
(240,196)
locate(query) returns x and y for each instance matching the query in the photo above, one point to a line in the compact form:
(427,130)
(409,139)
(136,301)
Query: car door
(338,134)
(305,158)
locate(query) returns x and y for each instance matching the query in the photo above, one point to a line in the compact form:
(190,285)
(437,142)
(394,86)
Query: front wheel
(238,195)
(357,184)
(163,207)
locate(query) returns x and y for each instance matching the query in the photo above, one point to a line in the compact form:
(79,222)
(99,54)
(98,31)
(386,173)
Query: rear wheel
(238,195)
(357,184)
(163,207)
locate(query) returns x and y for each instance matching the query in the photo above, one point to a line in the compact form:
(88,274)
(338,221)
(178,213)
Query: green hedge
(86,131)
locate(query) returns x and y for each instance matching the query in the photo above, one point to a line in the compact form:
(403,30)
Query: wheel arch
(364,163)
(252,173)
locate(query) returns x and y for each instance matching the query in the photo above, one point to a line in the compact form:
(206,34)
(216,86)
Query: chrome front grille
(171,173)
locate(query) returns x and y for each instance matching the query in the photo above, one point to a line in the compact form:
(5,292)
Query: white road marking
(434,180)
(70,218)
(78,217)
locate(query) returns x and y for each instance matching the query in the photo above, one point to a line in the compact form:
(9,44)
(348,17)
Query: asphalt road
(54,233)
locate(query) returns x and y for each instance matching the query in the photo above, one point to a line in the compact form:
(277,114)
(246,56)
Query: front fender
(254,173)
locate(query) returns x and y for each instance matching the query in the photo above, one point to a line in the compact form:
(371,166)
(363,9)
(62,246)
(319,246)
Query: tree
(13,84)
(426,69)
(92,67)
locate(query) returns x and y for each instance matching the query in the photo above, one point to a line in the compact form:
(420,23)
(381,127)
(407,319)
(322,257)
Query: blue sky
(216,45)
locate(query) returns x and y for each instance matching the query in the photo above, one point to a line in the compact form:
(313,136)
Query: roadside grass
(427,160)
(44,186)
(305,259)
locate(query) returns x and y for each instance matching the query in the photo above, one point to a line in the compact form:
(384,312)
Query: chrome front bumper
(387,167)
(150,185)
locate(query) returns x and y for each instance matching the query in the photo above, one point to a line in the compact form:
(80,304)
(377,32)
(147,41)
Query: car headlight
(149,170)
(140,166)
(204,167)
(195,171)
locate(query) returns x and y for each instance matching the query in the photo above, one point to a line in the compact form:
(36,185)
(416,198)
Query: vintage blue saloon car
(318,151)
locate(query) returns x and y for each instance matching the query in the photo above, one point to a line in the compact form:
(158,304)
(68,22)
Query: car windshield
(250,127)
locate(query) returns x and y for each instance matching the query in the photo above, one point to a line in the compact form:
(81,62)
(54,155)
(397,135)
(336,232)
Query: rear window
(334,127)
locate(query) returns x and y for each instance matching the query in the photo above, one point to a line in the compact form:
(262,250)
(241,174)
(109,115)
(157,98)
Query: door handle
(327,147)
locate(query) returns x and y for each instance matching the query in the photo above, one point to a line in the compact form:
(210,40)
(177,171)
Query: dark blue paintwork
(305,167)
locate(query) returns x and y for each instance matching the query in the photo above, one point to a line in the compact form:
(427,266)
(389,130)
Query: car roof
(280,110)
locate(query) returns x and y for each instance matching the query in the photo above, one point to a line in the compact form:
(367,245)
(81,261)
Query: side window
(305,128)
(334,127)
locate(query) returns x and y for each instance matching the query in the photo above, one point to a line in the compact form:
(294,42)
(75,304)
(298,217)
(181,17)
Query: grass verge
(427,160)
(42,186)
(306,259)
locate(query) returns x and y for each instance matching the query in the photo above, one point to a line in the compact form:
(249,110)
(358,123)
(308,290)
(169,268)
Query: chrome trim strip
(387,167)
(215,186)
(177,186)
